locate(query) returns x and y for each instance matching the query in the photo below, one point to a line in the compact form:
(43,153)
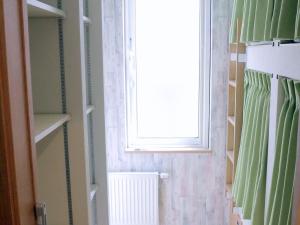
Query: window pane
(167,57)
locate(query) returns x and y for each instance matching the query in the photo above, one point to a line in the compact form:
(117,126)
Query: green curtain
(249,182)
(280,203)
(256,212)
(237,14)
(247,118)
(265,20)
(243,132)
(261,14)
(297,28)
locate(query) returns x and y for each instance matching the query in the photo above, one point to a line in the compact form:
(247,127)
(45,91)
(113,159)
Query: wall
(194,192)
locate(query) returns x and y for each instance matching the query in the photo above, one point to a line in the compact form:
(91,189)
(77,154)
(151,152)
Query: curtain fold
(239,182)
(243,132)
(249,186)
(282,160)
(275,18)
(258,207)
(260,20)
(252,162)
(297,26)
(257,165)
(287,19)
(266,20)
(245,21)
(249,183)
(237,14)
(280,203)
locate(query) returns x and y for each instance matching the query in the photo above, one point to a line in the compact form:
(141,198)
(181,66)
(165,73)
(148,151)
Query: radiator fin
(133,198)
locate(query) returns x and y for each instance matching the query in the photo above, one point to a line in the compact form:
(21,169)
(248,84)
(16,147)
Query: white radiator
(133,198)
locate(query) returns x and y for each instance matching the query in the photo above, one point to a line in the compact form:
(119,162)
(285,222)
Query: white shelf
(230,155)
(232,83)
(239,212)
(40,9)
(228,189)
(231,120)
(45,124)
(86,20)
(89,109)
(94,189)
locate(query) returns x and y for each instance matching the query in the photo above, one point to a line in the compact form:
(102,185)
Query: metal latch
(41,214)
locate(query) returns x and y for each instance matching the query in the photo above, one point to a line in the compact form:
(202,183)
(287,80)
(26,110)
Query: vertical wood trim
(17,158)
(239,102)
(235,103)
(236,73)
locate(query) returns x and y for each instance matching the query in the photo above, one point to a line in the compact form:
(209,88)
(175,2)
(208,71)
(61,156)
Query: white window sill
(168,150)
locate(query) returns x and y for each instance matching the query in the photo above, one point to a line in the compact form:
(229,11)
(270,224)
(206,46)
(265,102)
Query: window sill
(168,150)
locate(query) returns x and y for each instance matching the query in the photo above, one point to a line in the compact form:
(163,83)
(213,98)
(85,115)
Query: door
(17,161)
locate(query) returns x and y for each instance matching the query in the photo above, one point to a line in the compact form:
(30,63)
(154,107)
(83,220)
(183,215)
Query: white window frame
(135,143)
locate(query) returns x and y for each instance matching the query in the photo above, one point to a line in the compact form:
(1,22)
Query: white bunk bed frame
(279,59)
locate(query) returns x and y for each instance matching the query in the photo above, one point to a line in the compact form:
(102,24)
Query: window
(167,54)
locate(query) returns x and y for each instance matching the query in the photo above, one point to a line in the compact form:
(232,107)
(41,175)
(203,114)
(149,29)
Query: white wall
(194,192)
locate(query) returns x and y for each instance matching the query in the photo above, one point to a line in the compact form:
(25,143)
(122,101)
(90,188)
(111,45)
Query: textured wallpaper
(194,192)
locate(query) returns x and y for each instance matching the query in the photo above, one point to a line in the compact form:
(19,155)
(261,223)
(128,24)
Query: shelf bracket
(276,43)
(41,214)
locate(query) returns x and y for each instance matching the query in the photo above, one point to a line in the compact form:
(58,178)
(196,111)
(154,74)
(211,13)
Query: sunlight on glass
(167,57)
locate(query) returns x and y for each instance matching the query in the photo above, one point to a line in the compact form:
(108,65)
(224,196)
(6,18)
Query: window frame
(135,143)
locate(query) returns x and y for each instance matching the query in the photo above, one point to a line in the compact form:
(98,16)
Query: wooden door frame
(17,149)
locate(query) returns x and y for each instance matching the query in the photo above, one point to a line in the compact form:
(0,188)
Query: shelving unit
(86,19)
(234,117)
(40,9)
(51,117)
(94,189)
(232,83)
(231,120)
(84,86)
(58,179)
(230,155)
(89,109)
(45,124)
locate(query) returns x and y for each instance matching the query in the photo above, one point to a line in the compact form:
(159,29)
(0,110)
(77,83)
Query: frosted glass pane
(167,57)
